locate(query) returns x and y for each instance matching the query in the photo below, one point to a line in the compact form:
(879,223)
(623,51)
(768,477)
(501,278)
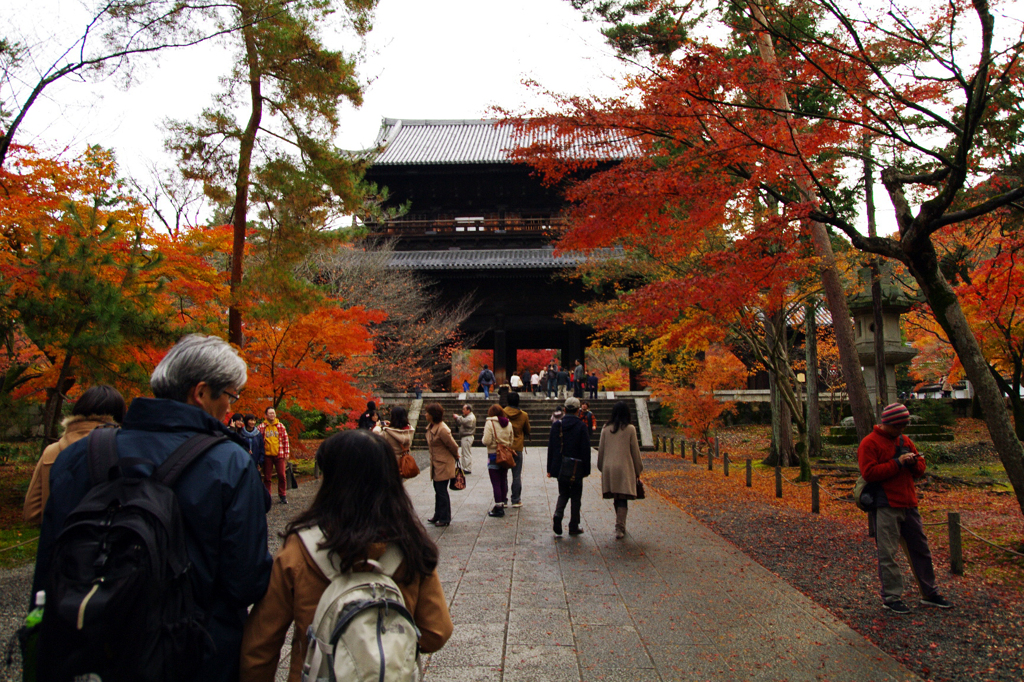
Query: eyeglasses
(232,397)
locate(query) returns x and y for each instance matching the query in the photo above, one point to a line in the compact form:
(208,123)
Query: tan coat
(520,426)
(444,452)
(75,429)
(618,460)
(400,440)
(296,584)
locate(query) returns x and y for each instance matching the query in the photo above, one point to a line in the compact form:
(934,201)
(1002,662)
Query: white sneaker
(517,504)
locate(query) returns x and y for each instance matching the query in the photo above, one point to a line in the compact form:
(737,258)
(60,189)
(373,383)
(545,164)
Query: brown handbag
(504,456)
(407,466)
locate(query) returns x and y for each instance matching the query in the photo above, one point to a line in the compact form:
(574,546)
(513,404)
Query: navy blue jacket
(257,448)
(569,438)
(221,498)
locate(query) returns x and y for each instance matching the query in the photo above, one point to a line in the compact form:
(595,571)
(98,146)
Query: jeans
(466,453)
(517,478)
(487,391)
(270,464)
(570,492)
(551,389)
(442,503)
(499,484)
(893,528)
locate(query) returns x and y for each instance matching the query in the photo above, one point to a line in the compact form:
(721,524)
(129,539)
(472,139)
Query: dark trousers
(902,527)
(442,503)
(270,464)
(499,484)
(570,492)
(517,478)
(552,386)
(593,392)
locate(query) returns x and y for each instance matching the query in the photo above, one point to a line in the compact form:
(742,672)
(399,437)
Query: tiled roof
(492,259)
(411,142)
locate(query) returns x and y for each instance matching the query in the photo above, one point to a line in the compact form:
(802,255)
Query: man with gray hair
(220,496)
(466,424)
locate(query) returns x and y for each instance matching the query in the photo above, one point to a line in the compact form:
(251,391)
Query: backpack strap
(176,463)
(102,454)
(388,562)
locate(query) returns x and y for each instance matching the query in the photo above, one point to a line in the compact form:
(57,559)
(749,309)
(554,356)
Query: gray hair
(197,358)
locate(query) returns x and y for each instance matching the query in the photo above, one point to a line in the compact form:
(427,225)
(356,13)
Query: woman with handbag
(444,456)
(398,434)
(497,429)
(618,460)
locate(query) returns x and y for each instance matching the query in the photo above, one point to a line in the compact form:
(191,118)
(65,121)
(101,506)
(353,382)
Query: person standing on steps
(521,431)
(466,423)
(534,383)
(890,460)
(444,455)
(618,460)
(579,375)
(497,429)
(569,462)
(486,380)
(562,379)
(552,377)
(276,450)
(592,385)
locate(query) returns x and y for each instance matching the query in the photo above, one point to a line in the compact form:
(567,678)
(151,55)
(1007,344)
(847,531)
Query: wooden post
(956,549)
(694,451)
(749,472)
(718,452)
(672,446)
(711,458)
(778,481)
(815,500)
(725,464)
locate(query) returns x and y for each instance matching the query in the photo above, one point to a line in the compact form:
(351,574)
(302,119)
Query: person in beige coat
(361,509)
(99,406)
(398,433)
(444,455)
(497,429)
(618,460)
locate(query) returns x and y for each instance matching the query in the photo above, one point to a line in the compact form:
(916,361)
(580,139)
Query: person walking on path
(398,433)
(563,379)
(890,460)
(521,431)
(618,460)
(579,375)
(569,440)
(99,406)
(276,450)
(360,510)
(592,385)
(466,423)
(486,380)
(220,497)
(497,429)
(444,455)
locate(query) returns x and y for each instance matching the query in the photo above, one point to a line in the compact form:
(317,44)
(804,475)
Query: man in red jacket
(889,459)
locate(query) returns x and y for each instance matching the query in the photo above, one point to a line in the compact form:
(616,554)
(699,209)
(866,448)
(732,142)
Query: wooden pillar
(500,352)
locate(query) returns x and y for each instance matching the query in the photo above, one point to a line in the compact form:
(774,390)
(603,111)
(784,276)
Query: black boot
(557,524)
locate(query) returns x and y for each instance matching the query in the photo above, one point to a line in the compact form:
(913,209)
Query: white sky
(425,59)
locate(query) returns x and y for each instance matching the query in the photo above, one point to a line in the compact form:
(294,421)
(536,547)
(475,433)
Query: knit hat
(896,415)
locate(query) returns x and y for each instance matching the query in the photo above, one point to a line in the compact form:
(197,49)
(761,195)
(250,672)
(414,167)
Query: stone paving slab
(672,601)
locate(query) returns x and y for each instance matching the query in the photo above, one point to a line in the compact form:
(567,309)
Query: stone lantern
(894,304)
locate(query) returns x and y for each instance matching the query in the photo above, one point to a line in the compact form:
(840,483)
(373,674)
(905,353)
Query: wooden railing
(470,225)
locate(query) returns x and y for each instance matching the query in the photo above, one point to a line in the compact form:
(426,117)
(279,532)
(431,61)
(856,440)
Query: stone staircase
(536,407)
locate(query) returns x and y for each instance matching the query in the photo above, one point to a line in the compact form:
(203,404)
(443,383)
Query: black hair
(362,501)
(237,416)
(399,417)
(620,416)
(248,417)
(100,400)
(371,406)
(513,399)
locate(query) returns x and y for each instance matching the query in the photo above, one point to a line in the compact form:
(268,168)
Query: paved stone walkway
(673,601)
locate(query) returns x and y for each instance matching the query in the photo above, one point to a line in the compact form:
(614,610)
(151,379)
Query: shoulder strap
(389,561)
(176,463)
(102,454)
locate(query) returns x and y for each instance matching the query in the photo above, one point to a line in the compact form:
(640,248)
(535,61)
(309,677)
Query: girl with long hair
(398,433)
(361,509)
(497,429)
(618,460)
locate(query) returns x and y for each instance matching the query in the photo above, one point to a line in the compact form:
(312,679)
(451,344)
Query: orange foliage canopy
(695,408)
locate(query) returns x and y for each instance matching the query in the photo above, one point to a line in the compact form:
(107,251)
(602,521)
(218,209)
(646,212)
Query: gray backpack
(362,630)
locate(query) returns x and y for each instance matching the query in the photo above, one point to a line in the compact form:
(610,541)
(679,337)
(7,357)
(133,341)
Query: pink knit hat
(896,415)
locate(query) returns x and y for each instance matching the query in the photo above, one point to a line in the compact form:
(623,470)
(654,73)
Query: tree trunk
(55,401)
(946,307)
(813,418)
(782,420)
(860,404)
(246,145)
(881,380)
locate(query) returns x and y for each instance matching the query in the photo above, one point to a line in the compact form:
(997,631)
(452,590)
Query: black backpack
(119,600)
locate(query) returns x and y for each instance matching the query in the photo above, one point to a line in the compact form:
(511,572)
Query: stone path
(672,601)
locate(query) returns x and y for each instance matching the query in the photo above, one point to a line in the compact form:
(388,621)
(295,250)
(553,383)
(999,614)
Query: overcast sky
(424,59)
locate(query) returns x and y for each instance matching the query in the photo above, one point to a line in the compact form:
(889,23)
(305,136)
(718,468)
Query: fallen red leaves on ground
(829,557)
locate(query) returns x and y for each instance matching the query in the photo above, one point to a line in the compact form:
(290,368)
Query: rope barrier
(989,542)
(20,544)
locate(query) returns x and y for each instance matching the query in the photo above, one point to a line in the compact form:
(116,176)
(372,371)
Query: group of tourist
(553,381)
